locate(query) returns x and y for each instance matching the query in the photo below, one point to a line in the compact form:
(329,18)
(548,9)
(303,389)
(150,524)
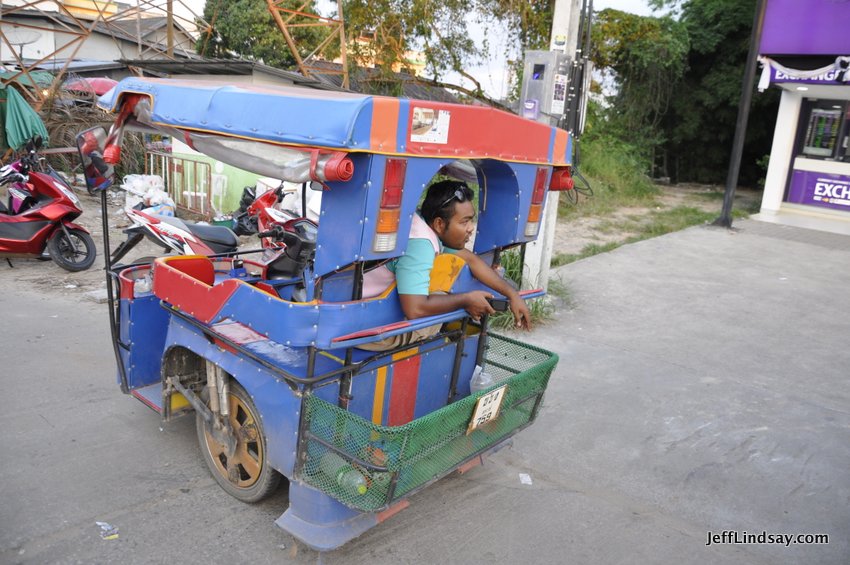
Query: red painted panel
(184,281)
(477,132)
(403,391)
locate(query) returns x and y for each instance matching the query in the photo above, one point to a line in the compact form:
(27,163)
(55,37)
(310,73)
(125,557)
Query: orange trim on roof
(384,133)
(560,150)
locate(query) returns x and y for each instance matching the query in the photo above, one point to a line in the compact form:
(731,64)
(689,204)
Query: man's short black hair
(441,198)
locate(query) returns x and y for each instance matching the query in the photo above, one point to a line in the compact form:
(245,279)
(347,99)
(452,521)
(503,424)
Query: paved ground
(702,388)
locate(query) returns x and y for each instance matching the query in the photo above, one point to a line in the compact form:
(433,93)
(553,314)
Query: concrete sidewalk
(703,386)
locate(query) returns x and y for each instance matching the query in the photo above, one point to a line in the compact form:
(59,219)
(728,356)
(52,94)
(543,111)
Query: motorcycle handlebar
(14,177)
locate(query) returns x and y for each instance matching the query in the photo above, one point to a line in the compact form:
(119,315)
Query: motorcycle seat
(220,235)
(215,234)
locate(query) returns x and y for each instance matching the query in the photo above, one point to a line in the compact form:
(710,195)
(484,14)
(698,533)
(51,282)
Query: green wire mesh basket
(367,467)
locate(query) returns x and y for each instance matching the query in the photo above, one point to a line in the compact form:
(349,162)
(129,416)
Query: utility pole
(725,219)
(538,254)
(169,30)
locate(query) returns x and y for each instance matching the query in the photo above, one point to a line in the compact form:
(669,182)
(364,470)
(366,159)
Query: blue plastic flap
(281,114)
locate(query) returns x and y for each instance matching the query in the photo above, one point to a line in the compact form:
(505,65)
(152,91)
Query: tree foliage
(645,57)
(384,33)
(439,30)
(677,87)
(701,124)
(246,29)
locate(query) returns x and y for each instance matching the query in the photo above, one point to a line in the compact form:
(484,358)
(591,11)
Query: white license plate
(487,408)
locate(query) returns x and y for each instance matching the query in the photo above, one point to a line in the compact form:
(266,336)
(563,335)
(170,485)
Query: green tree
(438,29)
(642,60)
(246,29)
(701,124)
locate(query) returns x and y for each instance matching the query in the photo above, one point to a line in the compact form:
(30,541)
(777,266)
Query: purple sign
(530,109)
(806,27)
(820,189)
(829,77)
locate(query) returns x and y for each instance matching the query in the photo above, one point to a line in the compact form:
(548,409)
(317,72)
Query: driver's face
(457,232)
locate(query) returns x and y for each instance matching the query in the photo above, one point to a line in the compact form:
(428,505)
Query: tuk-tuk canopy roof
(346,121)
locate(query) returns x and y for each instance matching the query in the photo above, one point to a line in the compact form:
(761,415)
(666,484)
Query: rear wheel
(246,474)
(73,250)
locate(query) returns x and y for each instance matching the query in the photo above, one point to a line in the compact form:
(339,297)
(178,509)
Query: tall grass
(615,172)
(541,309)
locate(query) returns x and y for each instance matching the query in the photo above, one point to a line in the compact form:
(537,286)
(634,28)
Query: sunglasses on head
(459,193)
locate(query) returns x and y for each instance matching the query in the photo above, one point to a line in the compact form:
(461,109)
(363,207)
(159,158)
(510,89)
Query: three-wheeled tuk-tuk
(266,350)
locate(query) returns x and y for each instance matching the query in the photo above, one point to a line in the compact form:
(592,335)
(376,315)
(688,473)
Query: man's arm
(421,305)
(484,273)
(413,274)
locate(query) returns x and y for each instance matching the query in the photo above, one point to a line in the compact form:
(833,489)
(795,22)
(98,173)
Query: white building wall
(41,47)
(782,151)
(96,47)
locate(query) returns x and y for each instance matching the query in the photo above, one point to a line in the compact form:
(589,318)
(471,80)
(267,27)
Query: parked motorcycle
(175,235)
(273,208)
(40,213)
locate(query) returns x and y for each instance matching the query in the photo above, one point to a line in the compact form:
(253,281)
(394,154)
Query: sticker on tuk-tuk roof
(430,125)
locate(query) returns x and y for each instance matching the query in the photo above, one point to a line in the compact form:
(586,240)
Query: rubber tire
(58,238)
(267,480)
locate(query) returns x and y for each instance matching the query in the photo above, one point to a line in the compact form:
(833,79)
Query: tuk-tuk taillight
(532,225)
(389,212)
(562,179)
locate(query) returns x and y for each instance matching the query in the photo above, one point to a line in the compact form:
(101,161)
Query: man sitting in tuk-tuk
(444,226)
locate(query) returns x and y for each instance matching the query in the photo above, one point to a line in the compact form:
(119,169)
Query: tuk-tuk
(266,351)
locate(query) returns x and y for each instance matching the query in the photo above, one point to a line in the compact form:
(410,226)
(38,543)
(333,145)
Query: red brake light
(393,183)
(532,223)
(539,186)
(561,179)
(389,212)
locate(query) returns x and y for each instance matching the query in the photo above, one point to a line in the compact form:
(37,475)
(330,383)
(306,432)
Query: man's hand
(522,316)
(475,303)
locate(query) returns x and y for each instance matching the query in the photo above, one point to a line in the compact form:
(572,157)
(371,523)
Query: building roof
(411,86)
(146,25)
(121,30)
(239,67)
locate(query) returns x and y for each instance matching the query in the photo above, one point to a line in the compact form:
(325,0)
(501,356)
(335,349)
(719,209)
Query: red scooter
(265,213)
(40,215)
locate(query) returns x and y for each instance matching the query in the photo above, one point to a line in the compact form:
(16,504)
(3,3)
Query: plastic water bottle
(142,285)
(480,380)
(343,473)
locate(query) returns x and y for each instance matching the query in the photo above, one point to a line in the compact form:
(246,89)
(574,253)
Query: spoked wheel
(73,251)
(245,474)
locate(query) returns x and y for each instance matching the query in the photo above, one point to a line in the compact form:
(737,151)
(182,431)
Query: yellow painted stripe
(378,402)
(405,354)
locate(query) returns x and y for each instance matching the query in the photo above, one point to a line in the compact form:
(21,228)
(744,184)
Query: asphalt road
(702,388)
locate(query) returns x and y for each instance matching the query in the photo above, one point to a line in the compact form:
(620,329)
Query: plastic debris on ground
(525,478)
(107,531)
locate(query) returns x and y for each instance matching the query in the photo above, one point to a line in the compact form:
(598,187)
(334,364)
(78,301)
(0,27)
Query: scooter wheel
(74,251)
(245,474)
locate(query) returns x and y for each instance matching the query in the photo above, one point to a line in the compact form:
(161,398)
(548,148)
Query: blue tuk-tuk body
(280,385)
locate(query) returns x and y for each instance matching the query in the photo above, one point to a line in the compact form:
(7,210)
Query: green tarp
(20,121)
(35,79)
